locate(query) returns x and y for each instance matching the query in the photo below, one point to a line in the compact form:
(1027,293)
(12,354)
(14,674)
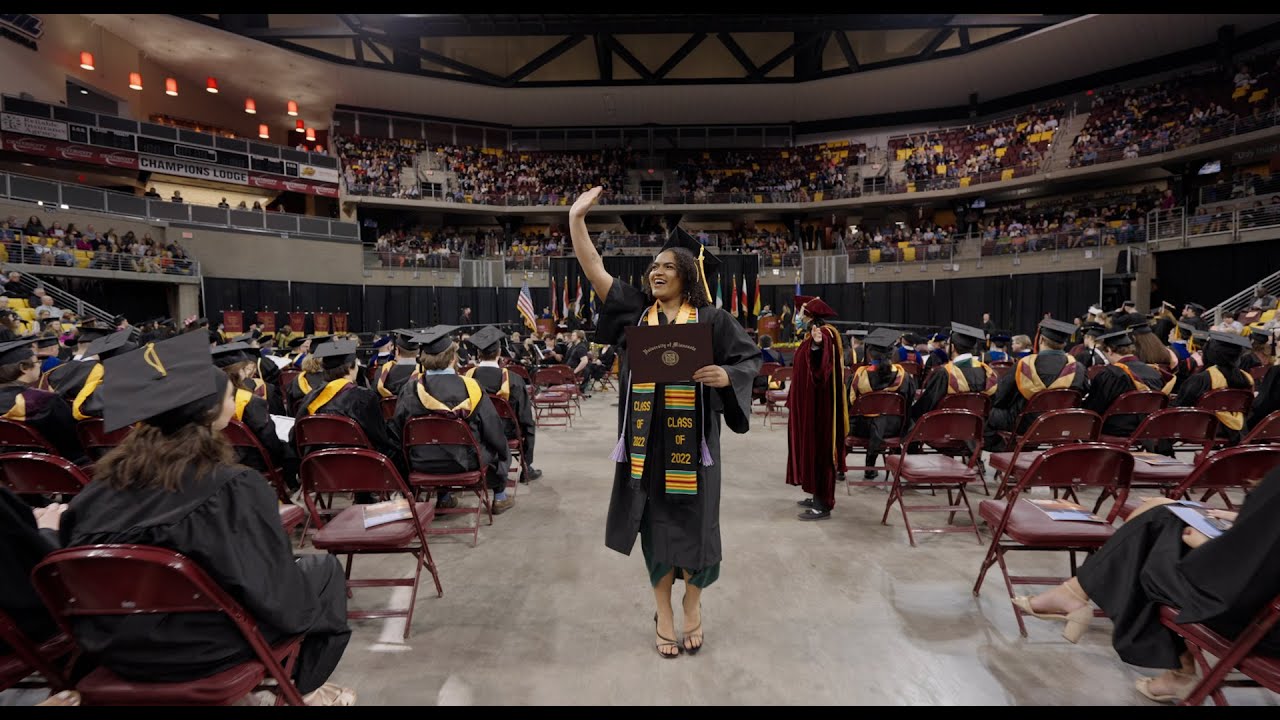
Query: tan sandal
(666,642)
(66,698)
(330,695)
(1144,686)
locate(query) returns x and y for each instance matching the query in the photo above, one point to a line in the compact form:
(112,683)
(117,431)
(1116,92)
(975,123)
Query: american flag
(524,304)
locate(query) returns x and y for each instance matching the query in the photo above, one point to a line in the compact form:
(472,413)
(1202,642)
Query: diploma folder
(668,353)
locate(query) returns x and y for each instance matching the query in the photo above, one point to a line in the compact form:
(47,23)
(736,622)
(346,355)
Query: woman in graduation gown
(1156,559)
(237,361)
(1221,355)
(172,483)
(880,374)
(312,377)
(674,505)
(338,394)
(47,413)
(1260,354)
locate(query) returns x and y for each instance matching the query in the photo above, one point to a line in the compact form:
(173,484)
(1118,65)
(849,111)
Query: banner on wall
(40,127)
(321,322)
(69,151)
(267,319)
(298,321)
(192,169)
(340,322)
(233,322)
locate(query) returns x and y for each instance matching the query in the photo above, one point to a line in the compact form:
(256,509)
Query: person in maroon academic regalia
(818,419)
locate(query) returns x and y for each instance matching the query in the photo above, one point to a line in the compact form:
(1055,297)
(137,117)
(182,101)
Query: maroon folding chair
(515,445)
(1233,655)
(1002,367)
(28,473)
(912,369)
(1056,427)
(447,430)
(287,376)
(95,441)
(880,402)
(106,580)
(1237,468)
(1018,525)
(17,436)
(1041,402)
(951,429)
(26,658)
(1226,400)
(328,431)
(1134,402)
(974,402)
(775,399)
(240,436)
(1185,428)
(1267,431)
(1258,372)
(519,370)
(354,470)
(551,403)
(765,371)
(560,378)
(388,407)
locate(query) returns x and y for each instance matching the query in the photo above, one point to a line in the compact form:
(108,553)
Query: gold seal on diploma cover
(670,358)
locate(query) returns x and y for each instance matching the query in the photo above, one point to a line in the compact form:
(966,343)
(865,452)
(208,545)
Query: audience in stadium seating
(69,247)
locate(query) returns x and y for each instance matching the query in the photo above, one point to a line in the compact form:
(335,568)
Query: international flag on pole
(756,308)
(564,299)
(745,310)
(719,296)
(577,300)
(524,304)
(733,292)
(591,303)
(554,314)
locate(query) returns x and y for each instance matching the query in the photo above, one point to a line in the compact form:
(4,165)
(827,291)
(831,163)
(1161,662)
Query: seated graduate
(880,374)
(338,394)
(1267,400)
(1156,559)
(1260,354)
(47,413)
(312,376)
(937,354)
(1193,347)
(907,351)
(47,350)
(854,353)
(88,402)
(964,373)
(1049,369)
(68,378)
(394,373)
(238,361)
(1221,355)
(1124,372)
(172,483)
(1087,353)
(441,389)
(26,535)
(998,347)
(497,380)
(265,381)
(1148,346)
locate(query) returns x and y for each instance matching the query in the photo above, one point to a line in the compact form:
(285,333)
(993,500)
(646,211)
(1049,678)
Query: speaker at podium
(767,325)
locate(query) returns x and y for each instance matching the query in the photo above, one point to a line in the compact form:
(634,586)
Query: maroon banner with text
(321,322)
(267,319)
(233,322)
(339,322)
(298,321)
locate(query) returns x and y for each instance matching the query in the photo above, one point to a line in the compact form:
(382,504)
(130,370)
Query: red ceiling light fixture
(211,85)
(250,106)
(292,108)
(311,134)
(135,81)
(300,126)
(171,87)
(263,132)
(86,60)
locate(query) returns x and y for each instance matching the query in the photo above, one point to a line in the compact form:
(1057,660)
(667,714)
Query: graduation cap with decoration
(16,351)
(168,384)
(117,343)
(232,353)
(814,307)
(336,353)
(708,263)
(437,339)
(486,338)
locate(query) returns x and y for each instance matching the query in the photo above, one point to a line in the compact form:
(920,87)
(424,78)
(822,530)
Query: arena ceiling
(637,49)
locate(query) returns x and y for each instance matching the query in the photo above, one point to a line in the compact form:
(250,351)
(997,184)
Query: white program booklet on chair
(284,424)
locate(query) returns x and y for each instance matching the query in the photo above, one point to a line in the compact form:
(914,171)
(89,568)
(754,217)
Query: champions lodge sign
(190,169)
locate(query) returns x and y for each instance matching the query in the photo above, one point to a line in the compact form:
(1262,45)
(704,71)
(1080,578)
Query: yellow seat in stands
(16,303)
(27,314)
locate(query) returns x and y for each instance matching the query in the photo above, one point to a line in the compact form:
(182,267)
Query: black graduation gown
(1088,357)
(294,393)
(878,428)
(1249,361)
(1223,583)
(49,415)
(935,387)
(1187,367)
(936,358)
(269,373)
(490,379)
(1111,384)
(257,418)
(1197,385)
(684,534)
(359,404)
(227,521)
(1008,401)
(397,375)
(1162,327)
(1268,399)
(68,378)
(22,546)
(485,425)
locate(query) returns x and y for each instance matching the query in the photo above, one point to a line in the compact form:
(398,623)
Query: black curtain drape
(1181,276)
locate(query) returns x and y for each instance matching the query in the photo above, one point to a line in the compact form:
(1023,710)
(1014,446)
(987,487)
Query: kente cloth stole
(958,383)
(682,432)
(1029,383)
(1218,381)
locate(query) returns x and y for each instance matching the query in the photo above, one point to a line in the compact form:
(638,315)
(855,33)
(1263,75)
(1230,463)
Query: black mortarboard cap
(1093,328)
(1057,330)
(232,353)
(115,344)
(1187,327)
(16,351)
(968,331)
(45,340)
(1196,306)
(406,339)
(486,337)
(858,333)
(1232,340)
(1259,335)
(914,338)
(1117,338)
(1001,336)
(1200,337)
(1135,322)
(707,260)
(242,338)
(882,338)
(336,353)
(170,384)
(437,339)
(88,332)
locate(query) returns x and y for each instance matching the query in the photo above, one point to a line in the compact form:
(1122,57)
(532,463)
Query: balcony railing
(30,250)
(1183,137)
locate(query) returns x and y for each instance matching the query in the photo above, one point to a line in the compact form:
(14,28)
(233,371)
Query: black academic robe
(878,428)
(936,358)
(301,386)
(393,377)
(359,404)
(936,386)
(1009,401)
(1251,360)
(1197,385)
(227,521)
(269,373)
(1188,366)
(68,378)
(1223,583)
(684,534)
(22,546)
(1162,327)
(1114,382)
(48,414)
(256,416)
(1198,322)
(1267,400)
(490,379)
(1088,357)
(486,426)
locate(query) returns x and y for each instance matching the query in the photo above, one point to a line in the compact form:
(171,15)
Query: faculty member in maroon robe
(818,417)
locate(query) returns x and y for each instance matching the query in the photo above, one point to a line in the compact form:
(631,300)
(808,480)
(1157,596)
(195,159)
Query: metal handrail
(26,250)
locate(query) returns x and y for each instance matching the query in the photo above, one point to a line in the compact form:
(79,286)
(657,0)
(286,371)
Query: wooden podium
(546,326)
(767,325)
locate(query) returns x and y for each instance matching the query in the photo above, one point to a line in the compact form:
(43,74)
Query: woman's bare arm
(583,249)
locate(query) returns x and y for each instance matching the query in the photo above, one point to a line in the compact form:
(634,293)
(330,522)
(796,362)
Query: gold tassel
(702,273)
